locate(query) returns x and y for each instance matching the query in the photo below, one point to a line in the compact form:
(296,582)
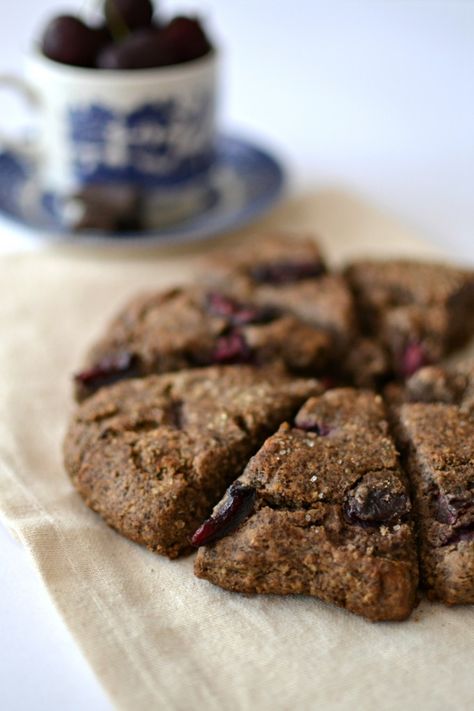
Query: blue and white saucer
(244,182)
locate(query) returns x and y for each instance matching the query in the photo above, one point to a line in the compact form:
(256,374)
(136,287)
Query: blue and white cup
(154,129)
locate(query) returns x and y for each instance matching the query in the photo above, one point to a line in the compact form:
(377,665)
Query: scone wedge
(439,443)
(198,326)
(322,509)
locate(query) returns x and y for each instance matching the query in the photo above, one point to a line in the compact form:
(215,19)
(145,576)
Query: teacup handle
(24,146)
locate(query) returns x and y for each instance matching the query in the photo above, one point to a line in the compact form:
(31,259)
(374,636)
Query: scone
(419,311)
(197,326)
(439,445)
(288,273)
(322,509)
(153,455)
(452,385)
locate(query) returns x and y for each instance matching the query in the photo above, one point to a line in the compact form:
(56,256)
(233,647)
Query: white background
(374,96)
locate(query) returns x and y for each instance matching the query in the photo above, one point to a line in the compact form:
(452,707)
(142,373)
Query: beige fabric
(157,637)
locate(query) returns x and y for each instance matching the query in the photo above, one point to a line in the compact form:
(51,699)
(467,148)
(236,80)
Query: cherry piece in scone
(458,535)
(222,305)
(68,40)
(230,349)
(128,14)
(237,313)
(237,506)
(366,506)
(108,370)
(413,358)
(448,509)
(143,49)
(286,272)
(187,38)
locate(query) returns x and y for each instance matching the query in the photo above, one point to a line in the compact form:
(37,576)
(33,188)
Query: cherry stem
(115,22)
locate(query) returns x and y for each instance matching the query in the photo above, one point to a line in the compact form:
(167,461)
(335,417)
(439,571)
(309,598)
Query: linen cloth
(155,636)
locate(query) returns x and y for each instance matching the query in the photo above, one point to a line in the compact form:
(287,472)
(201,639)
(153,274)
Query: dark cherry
(318,428)
(108,370)
(237,506)
(187,37)
(463,533)
(131,14)
(237,313)
(413,358)
(221,305)
(370,507)
(328,382)
(143,49)
(68,40)
(232,348)
(448,509)
(103,35)
(286,272)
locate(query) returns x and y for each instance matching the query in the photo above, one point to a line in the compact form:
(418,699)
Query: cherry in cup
(68,40)
(143,49)
(128,15)
(130,36)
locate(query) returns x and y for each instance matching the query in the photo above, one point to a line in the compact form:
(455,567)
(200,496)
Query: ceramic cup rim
(90,75)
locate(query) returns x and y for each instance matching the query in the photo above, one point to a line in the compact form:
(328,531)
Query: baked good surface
(330,514)
(289,274)
(272,258)
(153,455)
(453,384)
(419,311)
(366,363)
(197,326)
(439,443)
